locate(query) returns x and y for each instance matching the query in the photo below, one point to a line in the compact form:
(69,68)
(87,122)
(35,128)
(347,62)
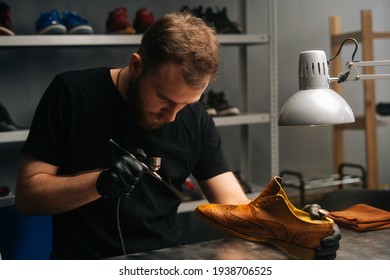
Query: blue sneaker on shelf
(76,24)
(50,23)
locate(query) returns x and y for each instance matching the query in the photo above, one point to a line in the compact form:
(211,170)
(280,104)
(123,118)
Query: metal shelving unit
(242,41)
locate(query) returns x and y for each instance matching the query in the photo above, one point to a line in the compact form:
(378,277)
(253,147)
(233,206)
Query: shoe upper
(75,24)
(50,23)
(219,20)
(5,19)
(6,123)
(222,22)
(143,19)
(118,22)
(210,110)
(383,109)
(218,101)
(269,217)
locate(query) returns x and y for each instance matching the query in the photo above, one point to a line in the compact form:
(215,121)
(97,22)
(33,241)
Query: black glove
(329,244)
(119,179)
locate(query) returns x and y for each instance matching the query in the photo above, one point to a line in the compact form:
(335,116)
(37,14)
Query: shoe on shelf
(50,23)
(198,12)
(221,21)
(4,191)
(6,123)
(118,22)
(191,190)
(383,109)
(143,19)
(218,101)
(5,19)
(270,218)
(75,24)
(244,185)
(210,110)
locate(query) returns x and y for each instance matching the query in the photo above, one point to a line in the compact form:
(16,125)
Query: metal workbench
(372,245)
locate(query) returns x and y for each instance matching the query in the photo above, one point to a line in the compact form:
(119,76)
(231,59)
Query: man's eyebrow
(162,96)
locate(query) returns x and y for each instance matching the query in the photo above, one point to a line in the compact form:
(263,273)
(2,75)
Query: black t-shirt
(77,115)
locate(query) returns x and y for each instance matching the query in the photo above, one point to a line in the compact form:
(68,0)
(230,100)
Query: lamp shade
(315,103)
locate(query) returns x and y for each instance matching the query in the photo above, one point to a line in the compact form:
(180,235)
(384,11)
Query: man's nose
(170,112)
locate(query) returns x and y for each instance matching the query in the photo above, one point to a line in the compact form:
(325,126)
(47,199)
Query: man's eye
(164,99)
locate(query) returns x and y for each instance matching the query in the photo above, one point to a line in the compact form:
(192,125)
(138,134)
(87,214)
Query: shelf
(242,119)
(110,40)
(21,135)
(7,201)
(13,136)
(360,122)
(330,181)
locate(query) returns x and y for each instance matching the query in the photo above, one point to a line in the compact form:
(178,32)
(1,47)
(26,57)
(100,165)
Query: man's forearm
(46,194)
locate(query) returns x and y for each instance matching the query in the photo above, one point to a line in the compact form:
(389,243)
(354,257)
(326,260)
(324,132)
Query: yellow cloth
(362,217)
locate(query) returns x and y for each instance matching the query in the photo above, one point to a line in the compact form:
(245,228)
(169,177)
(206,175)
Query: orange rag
(362,217)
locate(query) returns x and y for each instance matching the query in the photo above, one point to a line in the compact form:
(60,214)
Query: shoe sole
(228,112)
(53,29)
(6,31)
(127,30)
(292,250)
(211,112)
(82,29)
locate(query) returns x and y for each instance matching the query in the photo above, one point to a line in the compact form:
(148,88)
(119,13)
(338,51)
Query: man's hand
(329,244)
(120,178)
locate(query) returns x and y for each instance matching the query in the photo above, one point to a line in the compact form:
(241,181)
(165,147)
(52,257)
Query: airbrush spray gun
(154,165)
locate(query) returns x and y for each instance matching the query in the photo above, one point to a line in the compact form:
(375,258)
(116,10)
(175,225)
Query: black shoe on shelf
(221,21)
(198,12)
(6,123)
(383,109)
(218,101)
(210,110)
(244,185)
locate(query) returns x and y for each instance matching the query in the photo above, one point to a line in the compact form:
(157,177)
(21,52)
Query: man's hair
(186,40)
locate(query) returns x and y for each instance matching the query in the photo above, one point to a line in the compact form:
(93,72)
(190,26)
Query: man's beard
(136,107)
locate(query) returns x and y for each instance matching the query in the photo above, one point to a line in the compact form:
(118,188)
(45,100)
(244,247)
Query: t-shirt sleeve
(212,160)
(48,132)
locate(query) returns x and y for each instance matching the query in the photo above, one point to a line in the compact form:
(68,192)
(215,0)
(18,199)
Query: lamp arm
(352,72)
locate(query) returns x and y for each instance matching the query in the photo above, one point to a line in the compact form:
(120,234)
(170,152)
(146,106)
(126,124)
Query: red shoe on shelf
(4,191)
(118,22)
(5,19)
(143,19)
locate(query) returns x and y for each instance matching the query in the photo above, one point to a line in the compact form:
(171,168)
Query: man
(70,170)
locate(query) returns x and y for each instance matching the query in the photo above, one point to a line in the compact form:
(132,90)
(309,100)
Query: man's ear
(136,64)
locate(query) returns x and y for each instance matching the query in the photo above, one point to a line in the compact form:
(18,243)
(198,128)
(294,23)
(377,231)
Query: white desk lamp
(315,103)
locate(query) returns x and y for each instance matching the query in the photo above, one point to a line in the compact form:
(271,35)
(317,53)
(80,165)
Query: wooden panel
(369,101)
(335,69)
(366,37)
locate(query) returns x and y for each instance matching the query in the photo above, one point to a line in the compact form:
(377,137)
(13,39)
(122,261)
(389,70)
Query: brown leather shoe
(270,218)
